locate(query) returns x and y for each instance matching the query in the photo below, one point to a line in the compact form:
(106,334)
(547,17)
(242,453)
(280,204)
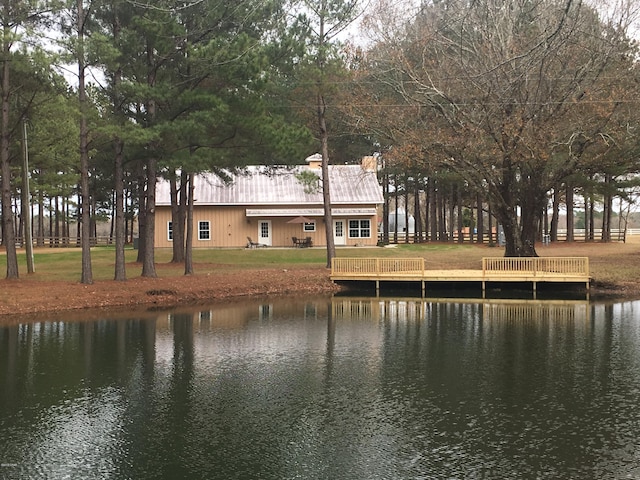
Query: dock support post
(423,287)
(484,289)
(377,288)
(588,289)
(535,293)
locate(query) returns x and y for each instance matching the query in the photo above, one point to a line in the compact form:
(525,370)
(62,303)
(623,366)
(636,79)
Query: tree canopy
(514,96)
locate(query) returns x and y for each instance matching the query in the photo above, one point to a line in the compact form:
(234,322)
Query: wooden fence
(579,235)
(65,242)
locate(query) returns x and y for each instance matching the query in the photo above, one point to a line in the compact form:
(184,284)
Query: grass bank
(241,273)
(611,263)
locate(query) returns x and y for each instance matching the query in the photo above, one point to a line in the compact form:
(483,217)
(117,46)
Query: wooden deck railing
(367,266)
(578,266)
(537,265)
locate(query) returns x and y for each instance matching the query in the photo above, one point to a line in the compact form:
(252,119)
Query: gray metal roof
(350,184)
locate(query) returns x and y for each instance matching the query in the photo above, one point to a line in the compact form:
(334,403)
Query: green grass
(64,264)
(615,262)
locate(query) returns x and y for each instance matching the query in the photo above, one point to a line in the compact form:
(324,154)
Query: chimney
(314,161)
(369,164)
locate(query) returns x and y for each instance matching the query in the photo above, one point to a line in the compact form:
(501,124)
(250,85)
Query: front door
(264,232)
(339,233)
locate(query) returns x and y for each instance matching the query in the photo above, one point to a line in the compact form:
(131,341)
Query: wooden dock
(533,270)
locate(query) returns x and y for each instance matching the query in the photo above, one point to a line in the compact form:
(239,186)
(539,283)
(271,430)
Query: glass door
(264,232)
(339,234)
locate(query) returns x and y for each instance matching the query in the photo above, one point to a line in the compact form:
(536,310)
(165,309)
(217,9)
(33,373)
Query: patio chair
(253,244)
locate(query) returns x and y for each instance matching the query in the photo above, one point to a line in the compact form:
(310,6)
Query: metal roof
(350,184)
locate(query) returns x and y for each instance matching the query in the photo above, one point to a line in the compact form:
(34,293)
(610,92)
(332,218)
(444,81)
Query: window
(170,231)
(360,228)
(309,227)
(264,231)
(204,233)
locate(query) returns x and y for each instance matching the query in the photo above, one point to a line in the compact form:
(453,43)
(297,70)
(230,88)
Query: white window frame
(360,228)
(170,231)
(202,230)
(309,227)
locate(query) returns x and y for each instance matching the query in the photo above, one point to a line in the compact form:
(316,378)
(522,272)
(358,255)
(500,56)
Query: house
(274,205)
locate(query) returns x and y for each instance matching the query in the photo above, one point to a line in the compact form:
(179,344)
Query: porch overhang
(310,212)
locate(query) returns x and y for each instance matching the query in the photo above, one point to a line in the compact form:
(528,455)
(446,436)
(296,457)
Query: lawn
(612,262)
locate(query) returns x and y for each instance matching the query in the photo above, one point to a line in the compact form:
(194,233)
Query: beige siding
(230,227)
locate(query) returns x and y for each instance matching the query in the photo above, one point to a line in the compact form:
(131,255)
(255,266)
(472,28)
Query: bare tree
(521,91)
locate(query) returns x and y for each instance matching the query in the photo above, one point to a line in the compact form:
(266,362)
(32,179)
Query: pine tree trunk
(148,256)
(148,259)
(570,214)
(8,233)
(141,190)
(385,207)
(490,219)
(395,209)
(442,233)
(480,235)
(451,215)
(120,273)
(555,216)
(607,213)
(85,209)
(460,219)
(188,180)
(179,206)
(433,210)
(326,184)
(40,229)
(417,230)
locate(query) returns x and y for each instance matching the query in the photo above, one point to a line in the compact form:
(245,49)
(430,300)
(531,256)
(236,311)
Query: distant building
(406,224)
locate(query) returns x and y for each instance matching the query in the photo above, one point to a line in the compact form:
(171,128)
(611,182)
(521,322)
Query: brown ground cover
(615,269)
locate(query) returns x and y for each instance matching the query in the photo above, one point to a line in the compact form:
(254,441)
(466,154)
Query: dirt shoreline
(24,298)
(20,298)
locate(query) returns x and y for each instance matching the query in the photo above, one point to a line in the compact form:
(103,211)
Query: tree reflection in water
(344,388)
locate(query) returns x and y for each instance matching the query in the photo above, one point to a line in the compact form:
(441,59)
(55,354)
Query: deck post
(422,283)
(484,289)
(377,288)
(535,296)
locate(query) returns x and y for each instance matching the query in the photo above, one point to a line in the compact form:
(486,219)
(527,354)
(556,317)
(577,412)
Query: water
(339,388)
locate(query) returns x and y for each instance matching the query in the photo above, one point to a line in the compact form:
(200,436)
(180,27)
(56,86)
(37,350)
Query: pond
(327,388)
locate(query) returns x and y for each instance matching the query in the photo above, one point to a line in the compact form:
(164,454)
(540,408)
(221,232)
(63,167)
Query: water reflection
(349,388)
